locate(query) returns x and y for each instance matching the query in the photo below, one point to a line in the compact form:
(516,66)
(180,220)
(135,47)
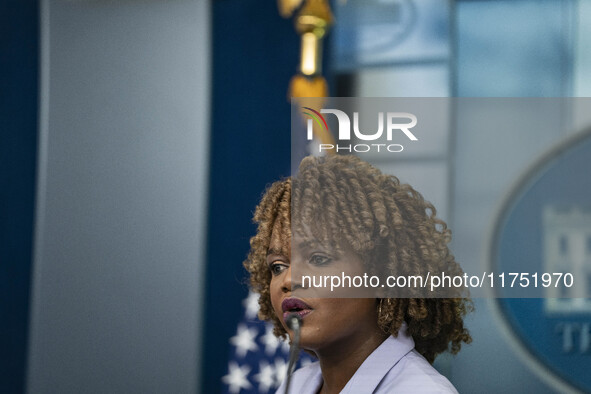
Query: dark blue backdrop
(255,53)
(19,46)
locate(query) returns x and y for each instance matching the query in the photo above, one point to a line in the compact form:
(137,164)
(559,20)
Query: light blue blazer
(394,367)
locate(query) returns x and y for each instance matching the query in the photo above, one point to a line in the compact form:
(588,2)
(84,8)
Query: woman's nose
(288,284)
(286,280)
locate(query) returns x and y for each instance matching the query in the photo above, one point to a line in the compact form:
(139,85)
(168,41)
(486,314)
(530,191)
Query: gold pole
(312,21)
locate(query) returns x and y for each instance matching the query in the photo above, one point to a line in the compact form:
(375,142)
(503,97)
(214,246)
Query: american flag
(258,359)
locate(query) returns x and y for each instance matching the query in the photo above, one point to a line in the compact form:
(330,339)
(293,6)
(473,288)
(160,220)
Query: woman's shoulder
(396,367)
(413,373)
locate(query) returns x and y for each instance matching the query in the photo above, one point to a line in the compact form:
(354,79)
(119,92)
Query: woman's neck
(341,361)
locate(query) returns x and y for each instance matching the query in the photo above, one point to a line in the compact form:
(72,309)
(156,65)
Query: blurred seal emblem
(545,227)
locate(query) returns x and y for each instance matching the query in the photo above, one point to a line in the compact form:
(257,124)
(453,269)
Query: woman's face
(326,322)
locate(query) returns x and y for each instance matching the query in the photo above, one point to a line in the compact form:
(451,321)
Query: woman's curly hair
(342,200)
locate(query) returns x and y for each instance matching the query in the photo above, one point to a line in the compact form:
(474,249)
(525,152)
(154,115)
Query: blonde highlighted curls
(342,200)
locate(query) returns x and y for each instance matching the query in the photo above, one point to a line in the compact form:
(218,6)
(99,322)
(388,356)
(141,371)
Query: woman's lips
(295,306)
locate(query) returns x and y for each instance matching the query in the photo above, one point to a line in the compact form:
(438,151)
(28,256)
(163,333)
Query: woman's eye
(320,260)
(277,267)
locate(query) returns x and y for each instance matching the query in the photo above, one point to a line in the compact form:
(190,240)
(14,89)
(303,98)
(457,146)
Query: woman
(340,213)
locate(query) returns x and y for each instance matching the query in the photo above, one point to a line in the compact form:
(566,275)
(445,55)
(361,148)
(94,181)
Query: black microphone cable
(294,322)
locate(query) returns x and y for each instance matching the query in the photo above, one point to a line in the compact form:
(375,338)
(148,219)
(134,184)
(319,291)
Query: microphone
(294,322)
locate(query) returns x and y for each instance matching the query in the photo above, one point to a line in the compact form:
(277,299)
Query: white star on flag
(266,377)
(244,340)
(284,346)
(236,377)
(270,341)
(280,371)
(251,305)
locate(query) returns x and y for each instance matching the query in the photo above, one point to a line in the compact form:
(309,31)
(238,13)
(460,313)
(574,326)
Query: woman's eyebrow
(274,251)
(310,244)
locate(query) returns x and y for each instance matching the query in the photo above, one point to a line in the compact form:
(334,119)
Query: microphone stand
(294,322)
